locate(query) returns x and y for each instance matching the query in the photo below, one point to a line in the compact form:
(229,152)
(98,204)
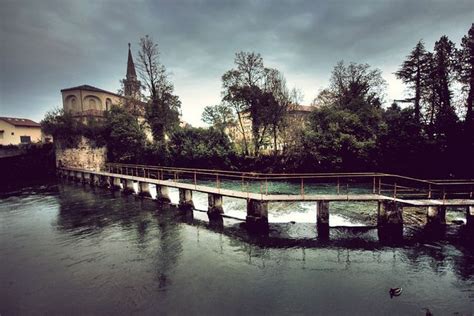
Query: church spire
(130,65)
(131,85)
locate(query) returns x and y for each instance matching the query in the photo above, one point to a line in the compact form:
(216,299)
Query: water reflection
(81,214)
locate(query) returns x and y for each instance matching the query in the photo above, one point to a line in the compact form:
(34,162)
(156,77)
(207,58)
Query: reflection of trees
(170,244)
(84,214)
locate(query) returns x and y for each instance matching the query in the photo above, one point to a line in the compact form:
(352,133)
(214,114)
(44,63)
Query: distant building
(15,131)
(295,120)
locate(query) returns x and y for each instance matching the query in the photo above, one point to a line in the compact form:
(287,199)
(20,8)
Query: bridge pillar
(322,218)
(95,180)
(71,175)
(186,199)
(115,184)
(128,186)
(470,217)
(162,194)
(257,215)
(214,210)
(144,189)
(390,220)
(104,181)
(86,177)
(436,215)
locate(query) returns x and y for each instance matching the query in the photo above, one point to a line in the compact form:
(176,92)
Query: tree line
(259,126)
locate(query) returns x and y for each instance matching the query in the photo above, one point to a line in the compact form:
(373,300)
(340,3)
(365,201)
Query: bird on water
(395,291)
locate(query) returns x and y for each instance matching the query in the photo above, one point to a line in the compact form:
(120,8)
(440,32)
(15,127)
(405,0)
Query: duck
(395,291)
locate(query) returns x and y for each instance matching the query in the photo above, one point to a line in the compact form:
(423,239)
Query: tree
(344,132)
(354,82)
(414,72)
(279,103)
(444,59)
(256,93)
(162,112)
(241,86)
(218,116)
(466,75)
(197,147)
(64,128)
(125,136)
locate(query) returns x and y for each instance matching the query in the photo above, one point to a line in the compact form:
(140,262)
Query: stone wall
(83,156)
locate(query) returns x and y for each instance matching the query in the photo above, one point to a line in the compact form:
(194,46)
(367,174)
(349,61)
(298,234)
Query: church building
(86,101)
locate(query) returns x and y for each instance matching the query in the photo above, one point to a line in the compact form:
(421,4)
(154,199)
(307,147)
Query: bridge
(392,192)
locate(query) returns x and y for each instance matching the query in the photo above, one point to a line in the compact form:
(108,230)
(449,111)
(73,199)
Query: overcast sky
(49,45)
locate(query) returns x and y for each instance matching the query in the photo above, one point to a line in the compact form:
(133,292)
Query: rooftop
(20,122)
(90,88)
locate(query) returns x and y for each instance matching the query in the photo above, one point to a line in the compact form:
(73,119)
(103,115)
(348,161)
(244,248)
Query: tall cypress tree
(444,65)
(466,74)
(414,72)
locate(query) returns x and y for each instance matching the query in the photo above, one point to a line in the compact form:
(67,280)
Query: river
(66,248)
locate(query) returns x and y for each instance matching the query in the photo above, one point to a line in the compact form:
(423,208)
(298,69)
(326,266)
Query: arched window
(70,104)
(91,102)
(108,104)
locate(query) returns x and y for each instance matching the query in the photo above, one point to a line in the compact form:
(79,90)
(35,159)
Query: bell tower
(131,85)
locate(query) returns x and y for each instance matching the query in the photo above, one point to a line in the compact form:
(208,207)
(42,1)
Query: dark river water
(72,249)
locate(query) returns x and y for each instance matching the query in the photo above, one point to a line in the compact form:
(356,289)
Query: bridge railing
(395,186)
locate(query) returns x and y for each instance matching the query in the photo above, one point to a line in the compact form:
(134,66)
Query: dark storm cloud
(49,45)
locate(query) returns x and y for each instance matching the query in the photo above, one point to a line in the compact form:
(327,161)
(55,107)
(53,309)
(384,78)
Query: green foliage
(259,92)
(343,133)
(415,72)
(340,138)
(124,136)
(63,127)
(199,147)
(219,116)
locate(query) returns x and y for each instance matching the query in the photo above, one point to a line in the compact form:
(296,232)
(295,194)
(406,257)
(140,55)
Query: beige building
(15,131)
(88,101)
(290,134)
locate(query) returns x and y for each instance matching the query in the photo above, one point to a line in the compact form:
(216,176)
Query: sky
(49,45)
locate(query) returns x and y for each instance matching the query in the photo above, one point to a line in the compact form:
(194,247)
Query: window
(13,133)
(1,134)
(25,139)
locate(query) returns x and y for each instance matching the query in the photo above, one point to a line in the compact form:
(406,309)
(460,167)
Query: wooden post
(322,219)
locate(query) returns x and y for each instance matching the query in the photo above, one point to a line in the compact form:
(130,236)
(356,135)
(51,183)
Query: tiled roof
(20,122)
(90,88)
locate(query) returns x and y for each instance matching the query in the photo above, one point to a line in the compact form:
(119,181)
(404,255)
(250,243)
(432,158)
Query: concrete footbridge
(392,192)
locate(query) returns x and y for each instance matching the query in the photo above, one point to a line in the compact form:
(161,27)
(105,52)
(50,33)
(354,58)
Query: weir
(392,193)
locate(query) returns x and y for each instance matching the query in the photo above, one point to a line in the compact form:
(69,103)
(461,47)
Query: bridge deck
(285,197)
